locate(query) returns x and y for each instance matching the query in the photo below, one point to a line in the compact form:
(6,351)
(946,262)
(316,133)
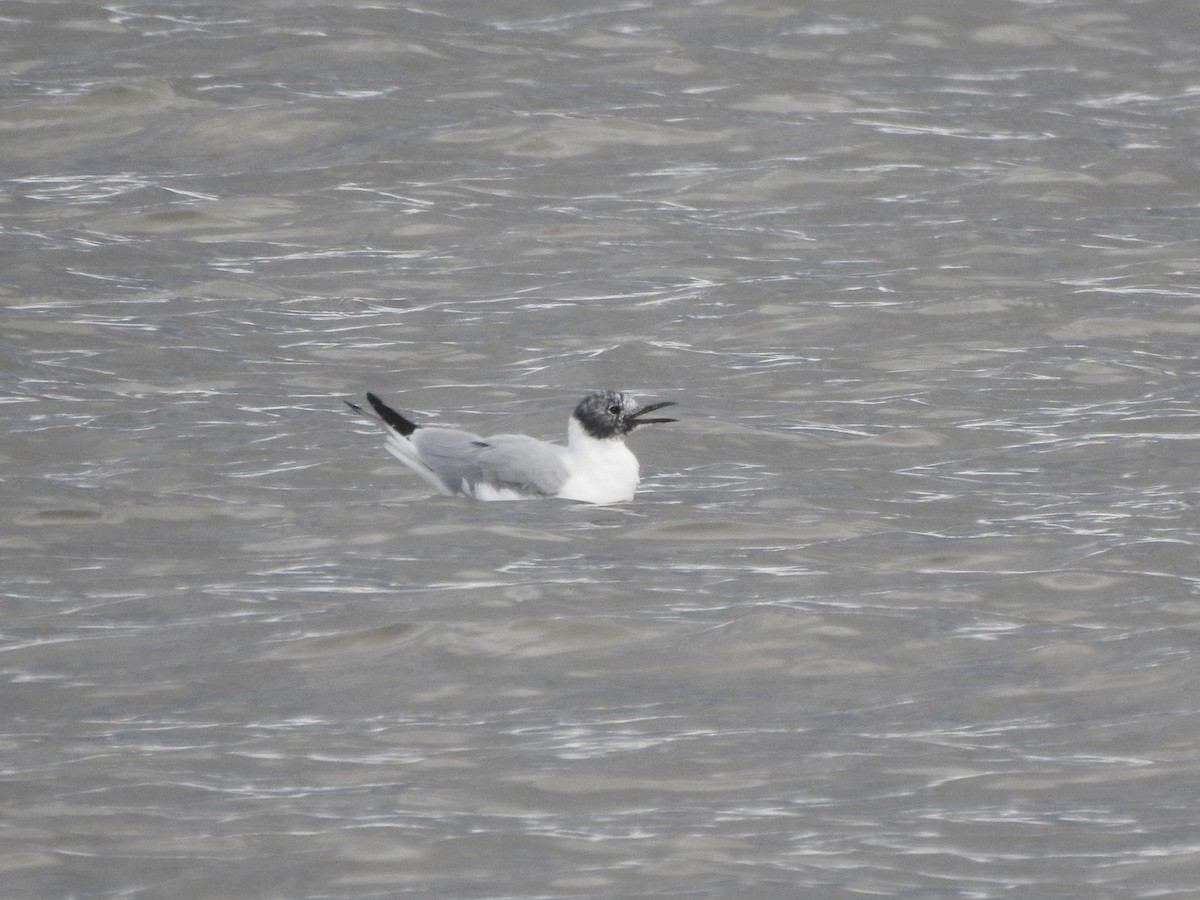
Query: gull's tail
(398,441)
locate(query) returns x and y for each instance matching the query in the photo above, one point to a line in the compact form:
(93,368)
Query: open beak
(635,418)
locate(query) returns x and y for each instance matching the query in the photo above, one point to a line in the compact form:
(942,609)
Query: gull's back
(503,467)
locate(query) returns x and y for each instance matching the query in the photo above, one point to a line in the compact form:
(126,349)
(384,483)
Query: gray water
(908,603)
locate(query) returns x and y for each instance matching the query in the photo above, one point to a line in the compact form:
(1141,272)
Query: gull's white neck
(602,470)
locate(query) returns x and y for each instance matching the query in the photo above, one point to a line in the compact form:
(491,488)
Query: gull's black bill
(636,418)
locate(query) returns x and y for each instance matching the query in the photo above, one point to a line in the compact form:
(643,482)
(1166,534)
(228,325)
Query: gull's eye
(614,410)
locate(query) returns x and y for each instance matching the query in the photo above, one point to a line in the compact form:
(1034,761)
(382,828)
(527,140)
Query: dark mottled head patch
(609,414)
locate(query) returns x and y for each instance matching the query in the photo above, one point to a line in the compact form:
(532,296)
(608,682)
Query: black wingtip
(390,417)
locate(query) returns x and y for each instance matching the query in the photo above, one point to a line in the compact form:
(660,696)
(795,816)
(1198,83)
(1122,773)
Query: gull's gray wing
(447,453)
(521,463)
(438,455)
(515,462)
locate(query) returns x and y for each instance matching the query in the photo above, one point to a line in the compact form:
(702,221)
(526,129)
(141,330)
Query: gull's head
(611,414)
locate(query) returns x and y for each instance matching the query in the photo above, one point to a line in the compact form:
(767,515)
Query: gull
(595,466)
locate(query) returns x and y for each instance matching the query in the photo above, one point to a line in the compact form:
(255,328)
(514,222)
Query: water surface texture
(908,604)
